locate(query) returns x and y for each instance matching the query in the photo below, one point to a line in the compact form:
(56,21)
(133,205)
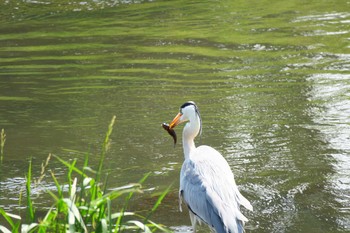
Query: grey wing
(198,198)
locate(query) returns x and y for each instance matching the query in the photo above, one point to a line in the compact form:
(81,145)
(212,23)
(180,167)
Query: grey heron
(207,184)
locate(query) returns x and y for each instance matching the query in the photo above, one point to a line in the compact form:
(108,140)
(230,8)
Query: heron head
(188,111)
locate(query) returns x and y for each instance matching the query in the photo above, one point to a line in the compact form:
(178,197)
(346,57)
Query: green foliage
(85,207)
(30,207)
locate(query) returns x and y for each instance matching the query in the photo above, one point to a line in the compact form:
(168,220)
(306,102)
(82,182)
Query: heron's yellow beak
(175,121)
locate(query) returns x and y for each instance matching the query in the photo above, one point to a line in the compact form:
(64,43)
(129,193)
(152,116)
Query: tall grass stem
(105,148)
(30,208)
(2,144)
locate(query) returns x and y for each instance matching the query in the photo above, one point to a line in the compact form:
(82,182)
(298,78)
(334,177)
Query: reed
(2,144)
(86,206)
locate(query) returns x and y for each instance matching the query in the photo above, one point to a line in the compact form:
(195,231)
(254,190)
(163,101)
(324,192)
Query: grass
(2,144)
(86,206)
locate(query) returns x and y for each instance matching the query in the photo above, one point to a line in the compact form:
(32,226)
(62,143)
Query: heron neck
(189,133)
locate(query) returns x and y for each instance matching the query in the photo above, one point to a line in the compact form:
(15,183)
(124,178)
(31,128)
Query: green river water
(271,79)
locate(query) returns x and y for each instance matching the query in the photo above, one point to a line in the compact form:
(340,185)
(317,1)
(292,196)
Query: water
(271,80)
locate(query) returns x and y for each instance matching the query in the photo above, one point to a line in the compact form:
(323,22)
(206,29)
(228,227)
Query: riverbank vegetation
(82,203)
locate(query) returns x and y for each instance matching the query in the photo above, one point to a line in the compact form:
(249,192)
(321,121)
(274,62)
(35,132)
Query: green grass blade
(30,208)
(59,190)
(69,175)
(126,203)
(109,215)
(160,227)
(53,195)
(143,179)
(119,220)
(70,166)
(161,197)
(131,193)
(158,202)
(49,216)
(8,217)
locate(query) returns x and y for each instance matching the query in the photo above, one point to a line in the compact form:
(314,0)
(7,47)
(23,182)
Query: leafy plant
(86,206)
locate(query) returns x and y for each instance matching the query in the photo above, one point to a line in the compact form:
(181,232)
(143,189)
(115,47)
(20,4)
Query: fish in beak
(175,121)
(169,127)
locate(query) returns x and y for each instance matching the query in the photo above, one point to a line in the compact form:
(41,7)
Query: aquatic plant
(2,144)
(86,206)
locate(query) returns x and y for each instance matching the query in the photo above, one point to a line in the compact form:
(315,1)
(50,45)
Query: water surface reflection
(270,78)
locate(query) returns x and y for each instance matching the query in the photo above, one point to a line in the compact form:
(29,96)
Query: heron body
(207,184)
